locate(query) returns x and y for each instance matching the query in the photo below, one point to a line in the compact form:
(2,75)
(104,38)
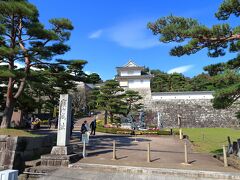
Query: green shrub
(153,132)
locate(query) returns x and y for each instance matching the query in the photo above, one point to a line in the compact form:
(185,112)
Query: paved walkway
(166,152)
(96,172)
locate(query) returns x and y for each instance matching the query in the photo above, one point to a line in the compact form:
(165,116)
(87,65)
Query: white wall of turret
(130,73)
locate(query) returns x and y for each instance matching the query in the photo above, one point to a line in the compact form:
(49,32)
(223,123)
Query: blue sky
(107,33)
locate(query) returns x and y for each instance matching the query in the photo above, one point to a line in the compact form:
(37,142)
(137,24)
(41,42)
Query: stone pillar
(62,154)
(64,125)
(64,120)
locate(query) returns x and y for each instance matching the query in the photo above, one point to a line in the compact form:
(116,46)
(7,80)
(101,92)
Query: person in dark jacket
(84,128)
(93,126)
(84,131)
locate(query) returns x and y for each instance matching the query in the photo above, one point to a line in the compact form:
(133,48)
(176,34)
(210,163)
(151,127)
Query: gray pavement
(95,173)
(166,152)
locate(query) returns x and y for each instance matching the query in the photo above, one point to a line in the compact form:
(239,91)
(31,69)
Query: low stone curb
(161,171)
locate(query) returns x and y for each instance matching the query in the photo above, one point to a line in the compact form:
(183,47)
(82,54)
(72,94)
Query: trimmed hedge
(128,131)
(113,130)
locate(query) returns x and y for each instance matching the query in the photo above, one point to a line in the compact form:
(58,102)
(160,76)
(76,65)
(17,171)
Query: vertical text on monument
(64,120)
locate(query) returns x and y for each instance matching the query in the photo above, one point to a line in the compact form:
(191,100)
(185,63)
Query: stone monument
(62,154)
(64,125)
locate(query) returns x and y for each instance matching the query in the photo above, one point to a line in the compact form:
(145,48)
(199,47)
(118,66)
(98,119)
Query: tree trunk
(111,117)
(7,116)
(105,118)
(7,113)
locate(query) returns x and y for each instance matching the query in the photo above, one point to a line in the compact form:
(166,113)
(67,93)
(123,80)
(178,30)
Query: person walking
(85,132)
(93,126)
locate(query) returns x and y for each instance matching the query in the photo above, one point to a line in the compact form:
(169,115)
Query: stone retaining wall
(14,151)
(194,112)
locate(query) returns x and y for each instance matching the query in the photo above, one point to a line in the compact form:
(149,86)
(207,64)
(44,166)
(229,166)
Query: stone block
(57,163)
(62,150)
(11,143)
(51,162)
(7,158)
(33,163)
(58,160)
(3,138)
(3,145)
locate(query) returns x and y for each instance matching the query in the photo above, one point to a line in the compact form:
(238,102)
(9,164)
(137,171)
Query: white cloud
(3,64)
(20,65)
(180,69)
(96,34)
(132,34)
(88,72)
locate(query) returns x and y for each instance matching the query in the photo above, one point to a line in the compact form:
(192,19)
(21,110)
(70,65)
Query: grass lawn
(16,132)
(210,139)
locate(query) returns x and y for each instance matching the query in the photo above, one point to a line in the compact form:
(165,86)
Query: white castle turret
(131,76)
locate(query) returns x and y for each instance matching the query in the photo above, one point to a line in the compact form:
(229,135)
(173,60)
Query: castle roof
(130,66)
(149,76)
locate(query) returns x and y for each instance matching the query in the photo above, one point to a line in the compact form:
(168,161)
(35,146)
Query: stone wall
(145,93)
(194,112)
(14,151)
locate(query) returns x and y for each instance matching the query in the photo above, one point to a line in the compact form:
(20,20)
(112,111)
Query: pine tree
(93,78)
(217,39)
(25,40)
(202,82)
(110,99)
(92,99)
(131,98)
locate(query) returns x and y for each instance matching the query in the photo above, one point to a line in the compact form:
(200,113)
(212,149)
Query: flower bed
(114,130)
